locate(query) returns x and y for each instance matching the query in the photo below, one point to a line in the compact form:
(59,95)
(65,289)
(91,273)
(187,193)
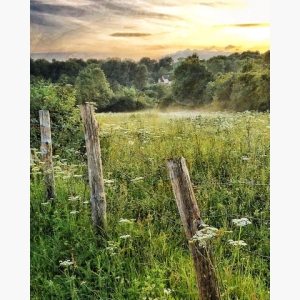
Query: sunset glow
(133,29)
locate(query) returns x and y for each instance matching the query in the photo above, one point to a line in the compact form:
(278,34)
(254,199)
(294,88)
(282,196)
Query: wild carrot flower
(125,236)
(125,221)
(167,291)
(237,243)
(65,263)
(204,234)
(74,198)
(241,222)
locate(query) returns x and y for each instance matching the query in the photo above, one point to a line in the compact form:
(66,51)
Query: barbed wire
(168,218)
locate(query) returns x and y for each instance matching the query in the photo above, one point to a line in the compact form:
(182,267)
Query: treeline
(240,81)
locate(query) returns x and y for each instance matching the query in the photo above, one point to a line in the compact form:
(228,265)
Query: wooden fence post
(96,181)
(192,222)
(46,149)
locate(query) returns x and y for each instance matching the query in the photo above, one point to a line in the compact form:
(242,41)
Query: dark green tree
(141,77)
(189,80)
(91,86)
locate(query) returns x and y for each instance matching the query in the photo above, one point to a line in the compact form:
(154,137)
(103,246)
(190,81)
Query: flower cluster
(241,222)
(65,263)
(237,243)
(204,234)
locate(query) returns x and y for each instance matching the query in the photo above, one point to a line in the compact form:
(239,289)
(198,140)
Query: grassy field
(146,254)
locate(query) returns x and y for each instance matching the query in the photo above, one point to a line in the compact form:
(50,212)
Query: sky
(148,28)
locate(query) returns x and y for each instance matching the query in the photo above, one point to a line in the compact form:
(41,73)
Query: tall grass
(146,255)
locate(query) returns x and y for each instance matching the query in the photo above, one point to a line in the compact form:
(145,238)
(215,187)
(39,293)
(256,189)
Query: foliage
(239,81)
(66,127)
(140,80)
(189,80)
(251,91)
(91,86)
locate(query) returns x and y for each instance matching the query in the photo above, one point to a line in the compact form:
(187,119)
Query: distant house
(166,79)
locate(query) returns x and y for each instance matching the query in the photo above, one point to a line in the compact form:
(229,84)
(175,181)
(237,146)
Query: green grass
(228,157)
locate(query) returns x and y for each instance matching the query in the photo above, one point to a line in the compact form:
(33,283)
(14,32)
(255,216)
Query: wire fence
(174,221)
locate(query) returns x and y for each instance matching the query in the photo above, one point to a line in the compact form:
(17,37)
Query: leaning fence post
(96,181)
(192,222)
(46,149)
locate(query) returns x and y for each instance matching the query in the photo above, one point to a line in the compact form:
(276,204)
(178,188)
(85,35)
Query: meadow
(146,255)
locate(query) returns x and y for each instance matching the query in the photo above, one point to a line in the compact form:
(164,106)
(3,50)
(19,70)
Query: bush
(66,127)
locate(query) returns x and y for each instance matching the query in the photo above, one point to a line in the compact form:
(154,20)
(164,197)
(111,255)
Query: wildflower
(74,198)
(131,143)
(125,236)
(125,221)
(73,212)
(83,282)
(111,248)
(237,243)
(65,263)
(167,291)
(204,234)
(108,181)
(245,158)
(45,203)
(77,176)
(241,222)
(85,202)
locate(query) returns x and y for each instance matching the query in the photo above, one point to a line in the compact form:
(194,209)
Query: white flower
(241,222)
(125,236)
(73,212)
(108,181)
(111,248)
(167,291)
(131,143)
(204,234)
(65,263)
(245,158)
(45,203)
(237,243)
(74,198)
(125,221)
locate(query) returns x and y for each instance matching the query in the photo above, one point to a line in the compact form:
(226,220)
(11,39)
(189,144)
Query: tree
(91,86)
(141,77)
(189,80)
(166,62)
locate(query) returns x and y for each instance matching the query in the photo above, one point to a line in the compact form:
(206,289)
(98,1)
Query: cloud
(230,47)
(220,3)
(63,10)
(129,34)
(129,10)
(212,4)
(244,25)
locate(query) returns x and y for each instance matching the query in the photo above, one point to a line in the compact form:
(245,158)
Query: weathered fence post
(46,149)
(192,222)
(96,181)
